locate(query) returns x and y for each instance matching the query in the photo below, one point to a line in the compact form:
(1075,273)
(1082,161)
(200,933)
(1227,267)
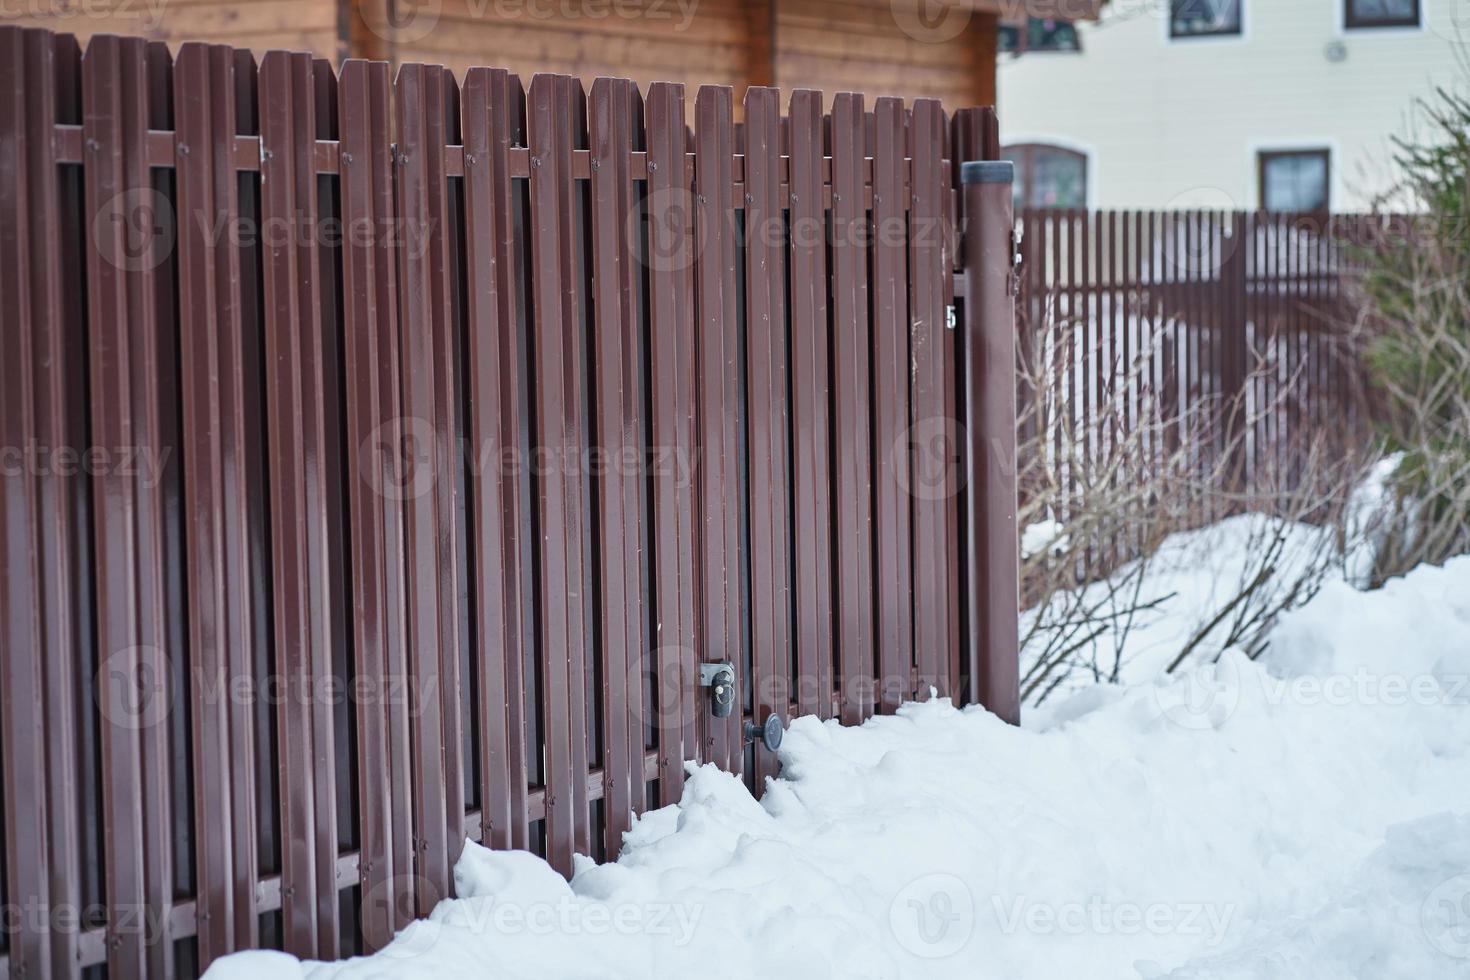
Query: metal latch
(1018,233)
(720,679)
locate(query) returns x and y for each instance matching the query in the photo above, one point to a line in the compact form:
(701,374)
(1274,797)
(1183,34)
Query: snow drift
(1303,817)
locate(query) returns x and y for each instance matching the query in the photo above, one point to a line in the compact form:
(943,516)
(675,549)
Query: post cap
(987,172)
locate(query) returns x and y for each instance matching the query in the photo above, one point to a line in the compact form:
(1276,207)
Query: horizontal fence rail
(385,455)
(1218,338)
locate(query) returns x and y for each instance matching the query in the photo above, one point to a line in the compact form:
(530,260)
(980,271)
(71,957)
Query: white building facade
(1286,104)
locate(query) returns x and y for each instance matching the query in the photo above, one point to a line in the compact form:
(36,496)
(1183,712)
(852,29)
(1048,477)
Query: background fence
(1225,335)
(383,456)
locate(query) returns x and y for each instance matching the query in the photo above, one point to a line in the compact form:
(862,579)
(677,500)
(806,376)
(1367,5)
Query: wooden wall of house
(831,45)
(588,38)
(296,25)
(856,46)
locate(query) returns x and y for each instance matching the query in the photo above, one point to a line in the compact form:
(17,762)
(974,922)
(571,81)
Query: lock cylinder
(720,679)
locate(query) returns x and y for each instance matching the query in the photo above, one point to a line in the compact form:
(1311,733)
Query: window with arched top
(1048,176)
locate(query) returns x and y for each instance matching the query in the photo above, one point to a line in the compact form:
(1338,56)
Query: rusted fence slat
(852,348)
(300,385)
(427,105)
(618,360)
(891,360)
(555,121)
(669,219)
(221,463)
(494,115)
(810,387)
(42,593)
(769,414)
(376,491)
(717,341)
(132,389)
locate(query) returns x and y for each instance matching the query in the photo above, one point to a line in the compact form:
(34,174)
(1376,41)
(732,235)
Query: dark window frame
(1353,21)
(1025,159)
(1263,157)
(1023,39)
(1176,35)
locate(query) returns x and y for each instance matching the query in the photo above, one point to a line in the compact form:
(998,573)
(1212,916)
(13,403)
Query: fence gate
(384,457)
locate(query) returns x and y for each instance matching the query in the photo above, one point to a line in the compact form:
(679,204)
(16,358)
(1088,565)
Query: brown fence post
(990,420)
(43,597)
(1236,343)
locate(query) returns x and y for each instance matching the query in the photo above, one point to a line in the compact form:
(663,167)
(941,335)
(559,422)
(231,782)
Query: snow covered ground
(1131,627)
(1303,816)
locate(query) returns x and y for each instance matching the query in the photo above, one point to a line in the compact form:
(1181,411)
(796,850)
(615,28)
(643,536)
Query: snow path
(1312,821)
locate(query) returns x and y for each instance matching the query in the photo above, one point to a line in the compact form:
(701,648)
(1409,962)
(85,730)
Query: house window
(1048,176)
(1039,34)
(1204,18)
(1294,180)
(1381,13)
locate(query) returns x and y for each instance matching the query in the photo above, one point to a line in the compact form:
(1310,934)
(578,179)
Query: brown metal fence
(1238,322)
(383,456)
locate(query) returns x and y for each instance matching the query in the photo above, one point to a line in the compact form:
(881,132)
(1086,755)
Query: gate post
(992,545)
(1235,286)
